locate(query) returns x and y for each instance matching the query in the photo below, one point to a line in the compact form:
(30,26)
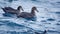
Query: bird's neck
(33,12)
(18,8)
(18,11)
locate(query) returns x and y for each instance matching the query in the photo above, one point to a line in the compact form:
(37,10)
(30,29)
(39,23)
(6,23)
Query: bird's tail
(3,9)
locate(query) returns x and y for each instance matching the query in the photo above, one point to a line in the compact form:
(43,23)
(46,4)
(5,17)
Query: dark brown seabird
(11,10)
(28,15)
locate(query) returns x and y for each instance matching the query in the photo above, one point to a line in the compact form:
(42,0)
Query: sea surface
(48,17)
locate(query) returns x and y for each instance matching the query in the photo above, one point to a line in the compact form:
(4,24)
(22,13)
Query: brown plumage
(11,10)
(28,15)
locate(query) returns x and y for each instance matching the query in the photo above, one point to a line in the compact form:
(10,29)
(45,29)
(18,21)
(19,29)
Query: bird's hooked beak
(37,10)
(22,9)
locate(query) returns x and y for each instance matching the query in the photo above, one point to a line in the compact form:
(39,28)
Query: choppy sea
(48,17)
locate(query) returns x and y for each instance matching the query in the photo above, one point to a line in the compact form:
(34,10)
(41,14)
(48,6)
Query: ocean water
(48,17)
